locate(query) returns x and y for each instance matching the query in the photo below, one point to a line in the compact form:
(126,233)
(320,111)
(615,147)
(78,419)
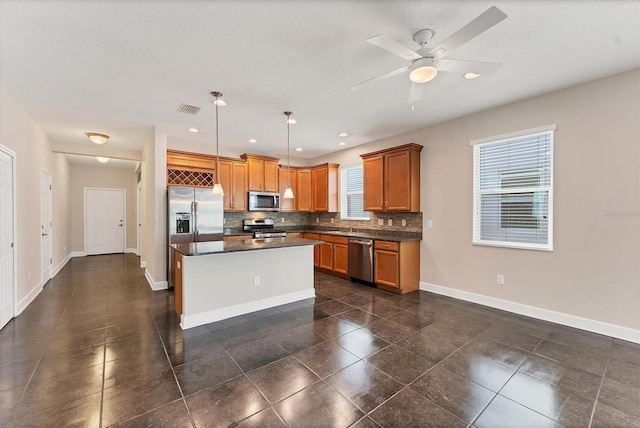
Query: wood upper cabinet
(303,197)
(288,204)
(262,173)
(392,179)
(233,178)
(324,186)
(190,161)
(397,265)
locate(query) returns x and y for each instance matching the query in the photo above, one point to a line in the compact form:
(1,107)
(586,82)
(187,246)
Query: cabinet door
(303,198)
(239,189)
(397,182)
(340,258)
(287,204)
(326,256)
(316,248)
(256,174)
(226,180)
(373,183)
(320,188)
(270,181)
(386,268)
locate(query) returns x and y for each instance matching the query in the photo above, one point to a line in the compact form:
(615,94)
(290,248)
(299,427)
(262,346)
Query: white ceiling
(122,67)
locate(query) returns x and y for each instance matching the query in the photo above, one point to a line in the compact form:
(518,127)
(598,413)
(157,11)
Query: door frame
(50,209)
(124,216)
(14,202)
(139,219)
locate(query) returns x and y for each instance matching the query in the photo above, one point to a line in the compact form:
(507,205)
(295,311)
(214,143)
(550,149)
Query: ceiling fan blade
(462,66)
(415,93)
(384,76)
(394,47)
(482,23)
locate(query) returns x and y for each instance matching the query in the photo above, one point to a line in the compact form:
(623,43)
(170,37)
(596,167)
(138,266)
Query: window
(513,190)
(351,196)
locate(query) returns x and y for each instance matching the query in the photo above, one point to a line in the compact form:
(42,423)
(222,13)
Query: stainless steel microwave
(264,201)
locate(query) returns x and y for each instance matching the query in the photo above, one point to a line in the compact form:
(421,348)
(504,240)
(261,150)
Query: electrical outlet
(390,222)
(281,219)
(332,220)
(404,222)
(429,224)
(500,279)
(317,220)
(256,280)
(380,222)
(224,220)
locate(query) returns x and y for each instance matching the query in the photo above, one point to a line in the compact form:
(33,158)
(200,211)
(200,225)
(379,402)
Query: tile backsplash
(292,219)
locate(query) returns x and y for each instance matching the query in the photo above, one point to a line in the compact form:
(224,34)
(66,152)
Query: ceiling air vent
(187,109)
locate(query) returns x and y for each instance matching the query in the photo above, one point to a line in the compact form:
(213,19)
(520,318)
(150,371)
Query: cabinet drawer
(387,245)
(314,236)
(334,239)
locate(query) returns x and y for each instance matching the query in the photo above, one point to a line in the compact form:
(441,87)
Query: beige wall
(22,135)
(103,177)
(593,271)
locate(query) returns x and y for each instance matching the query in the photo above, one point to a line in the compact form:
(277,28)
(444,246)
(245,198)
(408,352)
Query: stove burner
(262,228)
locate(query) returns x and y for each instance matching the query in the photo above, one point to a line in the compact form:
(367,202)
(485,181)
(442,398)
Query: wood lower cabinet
(334,254)
(294,235)
(177,280)
(316,248)
(262,173)
(392,179)
(397,265)
(233,178)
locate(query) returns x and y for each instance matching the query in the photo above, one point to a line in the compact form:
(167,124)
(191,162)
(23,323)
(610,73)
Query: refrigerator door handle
(194,216)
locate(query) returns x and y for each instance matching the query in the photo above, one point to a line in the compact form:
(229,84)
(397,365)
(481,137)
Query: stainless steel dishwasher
(361,259)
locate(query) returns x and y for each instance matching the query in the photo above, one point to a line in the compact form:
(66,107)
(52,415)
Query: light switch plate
(332,220)
(380,222)
(404,222)
(429,224)
(390,222)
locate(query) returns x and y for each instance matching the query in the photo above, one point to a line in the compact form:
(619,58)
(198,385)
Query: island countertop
(220,247)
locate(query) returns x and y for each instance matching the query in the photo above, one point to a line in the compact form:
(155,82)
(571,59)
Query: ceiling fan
(426,62)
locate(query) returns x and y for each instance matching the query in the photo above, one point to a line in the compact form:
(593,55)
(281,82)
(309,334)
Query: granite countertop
(220,247)
(369,234)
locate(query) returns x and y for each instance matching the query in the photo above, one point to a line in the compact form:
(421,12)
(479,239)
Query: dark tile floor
(99,348)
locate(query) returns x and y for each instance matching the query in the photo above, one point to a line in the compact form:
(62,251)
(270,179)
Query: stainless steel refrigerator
(193,215)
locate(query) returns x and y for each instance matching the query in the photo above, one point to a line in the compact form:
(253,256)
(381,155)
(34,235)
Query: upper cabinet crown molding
(392,179)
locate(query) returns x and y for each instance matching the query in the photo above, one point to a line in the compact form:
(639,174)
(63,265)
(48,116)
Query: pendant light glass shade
(288,193)
(217,187)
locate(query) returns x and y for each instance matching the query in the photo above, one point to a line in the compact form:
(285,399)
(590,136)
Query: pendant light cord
(288,155)
(217,151)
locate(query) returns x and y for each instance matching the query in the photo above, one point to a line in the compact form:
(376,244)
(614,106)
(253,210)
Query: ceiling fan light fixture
(422,70)
(471,76)
(97,138)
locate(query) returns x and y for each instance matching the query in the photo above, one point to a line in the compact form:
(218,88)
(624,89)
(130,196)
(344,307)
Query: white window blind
(513,190)
(352,200)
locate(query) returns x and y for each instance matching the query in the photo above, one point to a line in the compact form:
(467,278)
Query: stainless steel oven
(264,201)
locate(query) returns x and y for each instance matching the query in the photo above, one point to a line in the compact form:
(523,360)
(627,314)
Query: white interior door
(45,225)
(7,233)
(104,219)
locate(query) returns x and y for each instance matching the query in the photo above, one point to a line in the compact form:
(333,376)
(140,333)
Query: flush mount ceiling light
(288,193)
(97,138)
(299,149)
(217,187)
(194,130)
(343,134)
(253,140)
(471,76)
(422,70)
(342,143)
(102,159)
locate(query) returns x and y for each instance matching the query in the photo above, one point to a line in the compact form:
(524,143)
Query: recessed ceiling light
(102,159)
(343,134)
(471,76)
(342,143)
(194,130)
(253,140)
(299,149)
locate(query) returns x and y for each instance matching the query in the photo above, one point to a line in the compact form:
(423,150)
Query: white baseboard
(189,321)
(131,250)
(159,285)
(599,327)
(143,264)
(78,253)
(61,265)
(26,300)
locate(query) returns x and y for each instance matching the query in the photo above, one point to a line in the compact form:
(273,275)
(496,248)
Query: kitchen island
(222,279)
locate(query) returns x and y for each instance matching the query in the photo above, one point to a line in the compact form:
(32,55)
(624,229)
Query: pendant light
(288,193)
(217,187)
